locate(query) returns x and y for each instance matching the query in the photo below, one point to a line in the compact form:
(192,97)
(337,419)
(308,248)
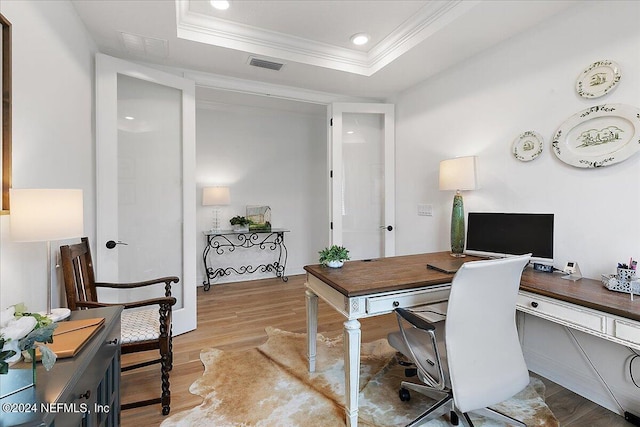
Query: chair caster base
(453,417)
(404,395)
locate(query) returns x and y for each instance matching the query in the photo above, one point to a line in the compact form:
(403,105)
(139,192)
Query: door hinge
(331,225)
(331,121)
(331,174)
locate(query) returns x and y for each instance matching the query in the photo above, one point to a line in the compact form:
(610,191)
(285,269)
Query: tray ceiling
(411,40)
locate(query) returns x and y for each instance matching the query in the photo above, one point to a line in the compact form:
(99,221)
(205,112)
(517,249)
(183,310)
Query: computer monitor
(502,234)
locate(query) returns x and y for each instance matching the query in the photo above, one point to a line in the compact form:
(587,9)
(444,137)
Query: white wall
(266,157)
(52,129)
(481,105)
(527,83)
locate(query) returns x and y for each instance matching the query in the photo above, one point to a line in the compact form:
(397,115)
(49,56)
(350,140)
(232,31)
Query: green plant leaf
(43,334)
(48,356)
(20,309)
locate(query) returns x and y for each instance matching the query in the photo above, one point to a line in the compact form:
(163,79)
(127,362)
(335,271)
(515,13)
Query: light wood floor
(233,316)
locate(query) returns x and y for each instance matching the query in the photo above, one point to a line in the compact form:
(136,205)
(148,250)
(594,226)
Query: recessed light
(360,39)
(129,118)
(220,4)
(350,132)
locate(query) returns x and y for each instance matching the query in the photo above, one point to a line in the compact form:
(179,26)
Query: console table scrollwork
(226,241)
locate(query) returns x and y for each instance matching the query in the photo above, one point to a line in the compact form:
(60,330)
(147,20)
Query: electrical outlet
(425,210)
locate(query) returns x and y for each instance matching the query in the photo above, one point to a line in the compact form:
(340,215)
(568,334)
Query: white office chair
(478,360)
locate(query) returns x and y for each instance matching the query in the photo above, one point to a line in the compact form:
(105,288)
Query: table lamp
(458,174)
(43,215)
(216,197)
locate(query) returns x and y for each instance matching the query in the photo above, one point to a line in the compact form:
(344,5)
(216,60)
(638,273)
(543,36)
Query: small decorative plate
(527,146)
(598,136)
(598,79)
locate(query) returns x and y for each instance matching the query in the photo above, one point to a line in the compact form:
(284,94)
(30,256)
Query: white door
(363,175)
(145,184)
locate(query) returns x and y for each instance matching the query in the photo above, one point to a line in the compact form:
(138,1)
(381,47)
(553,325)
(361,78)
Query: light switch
(425,210)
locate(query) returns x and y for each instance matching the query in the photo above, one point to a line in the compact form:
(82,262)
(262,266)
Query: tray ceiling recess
(302,42)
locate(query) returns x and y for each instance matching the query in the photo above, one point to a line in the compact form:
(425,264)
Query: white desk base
(606,326)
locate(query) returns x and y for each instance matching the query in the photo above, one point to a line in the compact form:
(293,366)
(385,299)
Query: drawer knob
(85,395)
(396,304)
(534,304)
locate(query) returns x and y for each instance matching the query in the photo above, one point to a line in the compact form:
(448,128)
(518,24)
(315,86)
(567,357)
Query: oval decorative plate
(527,146)
(598,79)
(598,136)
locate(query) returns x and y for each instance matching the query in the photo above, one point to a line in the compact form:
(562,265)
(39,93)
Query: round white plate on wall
(598,79)
(527,146)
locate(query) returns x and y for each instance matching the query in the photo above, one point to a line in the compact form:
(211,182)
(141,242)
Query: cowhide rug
(270,386)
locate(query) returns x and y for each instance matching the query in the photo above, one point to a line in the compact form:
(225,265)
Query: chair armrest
(153,301)
(163,301)
(415,320)
(91,304)
(166,280)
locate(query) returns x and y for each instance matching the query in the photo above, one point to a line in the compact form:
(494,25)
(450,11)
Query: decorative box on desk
(614,283)
(83,390)
(227,241)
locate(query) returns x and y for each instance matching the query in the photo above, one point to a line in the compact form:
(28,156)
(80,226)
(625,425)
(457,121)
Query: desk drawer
(389,302)
(566,313)
(627,331)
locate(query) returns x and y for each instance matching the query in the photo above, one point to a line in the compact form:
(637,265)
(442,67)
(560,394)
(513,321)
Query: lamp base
(457,226)
(457,255)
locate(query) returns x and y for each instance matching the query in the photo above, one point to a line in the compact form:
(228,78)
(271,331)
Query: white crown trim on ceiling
(219,32)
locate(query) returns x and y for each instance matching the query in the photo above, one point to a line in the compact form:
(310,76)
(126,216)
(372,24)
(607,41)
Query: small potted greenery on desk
(334,256)
(240,223)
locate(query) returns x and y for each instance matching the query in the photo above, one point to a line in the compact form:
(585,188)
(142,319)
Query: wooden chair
(142,330)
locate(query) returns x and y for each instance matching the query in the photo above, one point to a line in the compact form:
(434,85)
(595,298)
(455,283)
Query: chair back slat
(79,278)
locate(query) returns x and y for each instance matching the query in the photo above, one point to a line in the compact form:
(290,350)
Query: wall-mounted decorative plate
(598,79)
(527,146)
(598,136)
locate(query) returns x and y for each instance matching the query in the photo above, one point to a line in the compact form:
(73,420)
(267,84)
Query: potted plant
(334,256)
(20,334)
(240,223)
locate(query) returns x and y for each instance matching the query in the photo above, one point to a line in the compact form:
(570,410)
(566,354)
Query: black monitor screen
(511,234)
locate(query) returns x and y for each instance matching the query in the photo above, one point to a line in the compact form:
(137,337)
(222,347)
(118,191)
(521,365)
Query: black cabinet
(80,391)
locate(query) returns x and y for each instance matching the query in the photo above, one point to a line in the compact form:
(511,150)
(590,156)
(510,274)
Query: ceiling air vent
(263,63)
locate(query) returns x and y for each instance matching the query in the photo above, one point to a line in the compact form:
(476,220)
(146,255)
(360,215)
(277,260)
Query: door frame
(107,70)
(335,112)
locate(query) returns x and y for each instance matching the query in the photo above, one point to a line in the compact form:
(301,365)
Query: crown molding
(219,32)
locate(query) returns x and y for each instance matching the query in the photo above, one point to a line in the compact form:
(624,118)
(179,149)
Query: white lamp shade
(39,215)
(215,196)
(458,174)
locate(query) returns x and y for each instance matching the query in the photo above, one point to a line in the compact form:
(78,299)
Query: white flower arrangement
(21,331)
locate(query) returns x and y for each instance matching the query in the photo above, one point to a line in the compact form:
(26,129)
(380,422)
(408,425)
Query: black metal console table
(226,241)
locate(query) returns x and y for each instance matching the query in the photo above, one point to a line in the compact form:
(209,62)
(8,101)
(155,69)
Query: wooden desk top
(585,292)
(358,278)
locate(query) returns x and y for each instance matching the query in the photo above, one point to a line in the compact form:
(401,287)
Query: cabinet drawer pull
(86,395)
(534,304)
